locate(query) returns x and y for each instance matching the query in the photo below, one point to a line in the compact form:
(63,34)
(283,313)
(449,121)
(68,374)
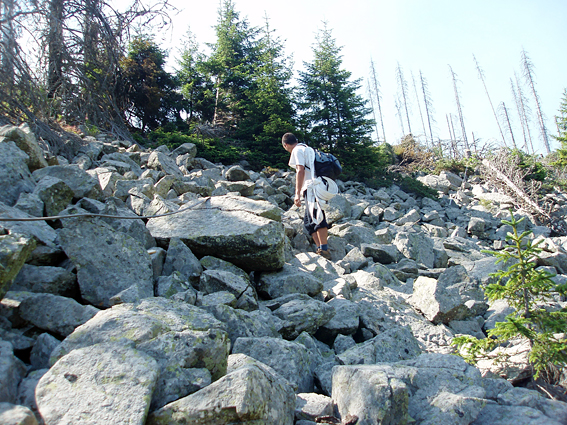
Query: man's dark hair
(289,139)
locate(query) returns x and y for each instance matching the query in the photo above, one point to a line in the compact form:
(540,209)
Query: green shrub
(406,183)
(456,166)
(524,287)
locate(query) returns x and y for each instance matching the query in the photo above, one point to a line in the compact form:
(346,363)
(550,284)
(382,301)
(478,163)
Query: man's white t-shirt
(299,156)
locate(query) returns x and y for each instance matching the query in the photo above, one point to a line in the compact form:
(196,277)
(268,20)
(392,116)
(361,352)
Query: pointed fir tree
(196,85)
(231,64)
(526,288)
(562,128)
(334,115)
(269,111)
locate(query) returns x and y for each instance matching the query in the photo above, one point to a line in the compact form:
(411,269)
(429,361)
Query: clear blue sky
(420,35)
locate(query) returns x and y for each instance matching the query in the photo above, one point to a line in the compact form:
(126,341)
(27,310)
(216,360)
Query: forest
(81,66)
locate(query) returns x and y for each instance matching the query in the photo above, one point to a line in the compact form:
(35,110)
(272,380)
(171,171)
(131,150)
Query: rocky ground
(222,313)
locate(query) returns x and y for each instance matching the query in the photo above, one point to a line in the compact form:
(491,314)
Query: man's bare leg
(322,235)
(316,239)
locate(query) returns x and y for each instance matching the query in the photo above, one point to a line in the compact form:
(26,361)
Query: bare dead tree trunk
(373,112)
(459,109)
(418,105)
(399,114)
(376,87)
(525,113)
(508,125)
(428,104)
(451,136)
(404,92)
(519,110)
(55,47)
(481,76)
(529,75)
(454,140)
(8,46)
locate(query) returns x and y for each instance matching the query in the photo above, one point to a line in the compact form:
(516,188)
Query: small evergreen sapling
(525,288)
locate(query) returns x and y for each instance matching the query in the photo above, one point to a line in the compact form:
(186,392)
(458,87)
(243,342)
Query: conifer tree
(334,114)
(562,127)
(231,65)
(269,111)
(196,85)
(152,98)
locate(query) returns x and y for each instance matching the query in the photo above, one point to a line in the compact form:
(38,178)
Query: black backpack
(327,165)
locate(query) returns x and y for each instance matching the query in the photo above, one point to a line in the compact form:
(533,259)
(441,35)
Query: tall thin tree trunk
(519,110)
(428,104)
(454,143)
(399,109)
(529,75)
(376,86)
(481,76)
(404,89)
(8,44)
(373,113)
(451,137)
(459,109)
(508,125)
(418,105)
(525,112)
(55,48)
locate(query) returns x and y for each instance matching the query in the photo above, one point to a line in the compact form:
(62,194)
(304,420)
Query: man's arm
(299,178)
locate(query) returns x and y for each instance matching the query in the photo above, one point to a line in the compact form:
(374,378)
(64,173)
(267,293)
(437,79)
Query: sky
(426,36)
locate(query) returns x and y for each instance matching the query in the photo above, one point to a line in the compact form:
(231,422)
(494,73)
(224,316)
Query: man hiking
(302,159)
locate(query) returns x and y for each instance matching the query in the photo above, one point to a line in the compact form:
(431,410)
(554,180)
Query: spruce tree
(152,99)
(269,111)
(562,128)
(196,85)
(231,65)
(334,115)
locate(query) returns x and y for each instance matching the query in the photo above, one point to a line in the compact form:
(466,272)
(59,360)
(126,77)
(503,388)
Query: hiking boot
(324,254)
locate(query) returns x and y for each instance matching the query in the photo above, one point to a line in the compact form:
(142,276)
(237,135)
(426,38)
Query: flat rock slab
(249,395)
(245,239)
(40,230)
(112,266)
(101,384)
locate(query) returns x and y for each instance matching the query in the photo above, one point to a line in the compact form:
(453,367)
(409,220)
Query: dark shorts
(308,224)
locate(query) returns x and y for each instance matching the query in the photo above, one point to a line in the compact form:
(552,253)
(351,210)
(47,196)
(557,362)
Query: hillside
(167,289)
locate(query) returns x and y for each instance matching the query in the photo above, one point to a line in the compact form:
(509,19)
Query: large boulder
(188,361)
(416,245)
(240,323)
(248,240)
(14,251)
(180,259)
(137,323)
(11,414)
(46,279)
(289,280)
(369,394)
(162,162)
(248,395)
(301,313)
(40,230)
(445,299)
(288,358)
(54,313)
(112,266)
(26,141)
(15,176)
(220,280)
(81,183)
(54,193)
(12,371)
(391,346)
(105,383)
